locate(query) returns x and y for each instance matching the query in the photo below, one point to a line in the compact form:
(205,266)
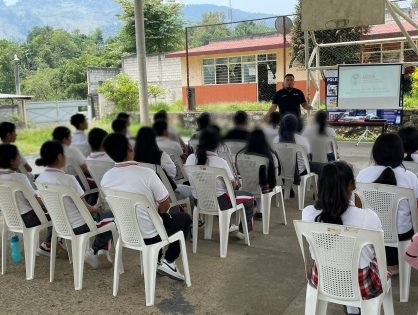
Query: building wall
(95,76)
(162,71)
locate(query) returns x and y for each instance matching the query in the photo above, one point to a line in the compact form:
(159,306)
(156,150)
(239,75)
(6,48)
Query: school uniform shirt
(79,138)
(270,133)
(22,202)
(131,177)
(300,140)
(289,101)
(356,217)
(168,165)
(311,132)
(169,146)
(404,178)
(237,133)
(58,176)
(99,156)
(215,161)
(74,154)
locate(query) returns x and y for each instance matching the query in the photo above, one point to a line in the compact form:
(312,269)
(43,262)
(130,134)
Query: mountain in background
(85,15)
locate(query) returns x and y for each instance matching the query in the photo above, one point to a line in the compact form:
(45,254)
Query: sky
(273,7)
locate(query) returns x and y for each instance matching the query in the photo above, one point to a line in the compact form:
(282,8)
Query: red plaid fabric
(368,278)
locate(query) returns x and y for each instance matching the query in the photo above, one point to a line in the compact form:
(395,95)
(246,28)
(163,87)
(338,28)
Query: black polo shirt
(289,101)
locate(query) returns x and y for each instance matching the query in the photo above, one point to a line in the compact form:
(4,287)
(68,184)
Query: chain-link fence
(236,62)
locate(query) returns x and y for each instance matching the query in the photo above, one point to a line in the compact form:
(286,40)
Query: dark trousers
(392,252)
(173,223)
(224,202)
(31,220)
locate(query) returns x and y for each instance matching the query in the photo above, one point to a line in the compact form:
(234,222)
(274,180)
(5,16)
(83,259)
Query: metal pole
(188,94)
(284,46)
(17,75)
(308,82)
(142,62)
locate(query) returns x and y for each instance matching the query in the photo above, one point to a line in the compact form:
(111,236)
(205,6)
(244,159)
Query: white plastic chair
(337,250)
(235,147)
(411,166)
(53,197)
(225,153)
(181,176)
(287,153)
(22,169)
(173,199)
(123,205)
(193,143)
(83,148)
(320,146)
(384,200)
(73,168)
(248,166)
(97,169)
(203,180)
(13,223)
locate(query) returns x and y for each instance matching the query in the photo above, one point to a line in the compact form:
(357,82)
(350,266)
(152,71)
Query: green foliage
(414,3)
(235,107)
(176,107)
(123,92)
(251,28)
(163,26)
(7,79)
(156,91)
(199,36)
(414,77)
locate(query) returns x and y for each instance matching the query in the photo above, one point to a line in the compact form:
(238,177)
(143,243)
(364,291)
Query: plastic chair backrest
(123,205)
(337,250)
(97,169)
(193,143)
(72,168)
(248,166)
(181,174)
(204,179)
(225,153)
(320,146)
(22,169)
(83,148)
(160,172)
(9,205)
(411,166)
(235,146)
(384,200)
(53,197)
(287,153)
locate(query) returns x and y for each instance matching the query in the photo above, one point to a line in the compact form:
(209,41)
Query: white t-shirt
(57,176)
(271,133)
(404,179)
(356,217)
(169,146)
(215,161)
(99,156)
(415,157)
(300,140)
(74,154)
(131,177)
(22,202)
(311,132)
(79,138)
(168,165)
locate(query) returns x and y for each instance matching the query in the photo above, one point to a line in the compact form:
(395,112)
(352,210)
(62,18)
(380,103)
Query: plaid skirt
(368,278)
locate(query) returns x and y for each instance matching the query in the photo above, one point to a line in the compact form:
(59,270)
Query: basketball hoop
(337,23)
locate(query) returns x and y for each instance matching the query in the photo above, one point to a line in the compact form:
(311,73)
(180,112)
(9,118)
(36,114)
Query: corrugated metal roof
(15,97)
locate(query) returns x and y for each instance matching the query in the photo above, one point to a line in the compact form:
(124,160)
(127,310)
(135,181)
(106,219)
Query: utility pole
(17,74)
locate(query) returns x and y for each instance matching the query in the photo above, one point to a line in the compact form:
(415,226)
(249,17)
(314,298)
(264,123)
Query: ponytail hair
(333,199)
(387,177)
(321,120)
(49,153)
(208,141)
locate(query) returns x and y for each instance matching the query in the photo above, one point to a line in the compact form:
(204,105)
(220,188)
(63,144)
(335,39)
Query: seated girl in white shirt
(9,163)
(52,156)
(388,155)
(335,187)
(209,140)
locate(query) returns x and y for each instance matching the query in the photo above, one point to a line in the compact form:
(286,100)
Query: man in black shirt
(239,132)
(289,100)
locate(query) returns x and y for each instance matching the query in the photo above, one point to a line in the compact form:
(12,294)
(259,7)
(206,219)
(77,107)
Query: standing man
(289,100)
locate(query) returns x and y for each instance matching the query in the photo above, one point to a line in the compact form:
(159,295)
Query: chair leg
(311,300)
(195,229)
(29,240)
(266,206)
(404,273)
(284,220)
(224,220)
(78,249)
(185,261)
(150,269)
(208,227)
(116,267)
(388,303)
(301,192)
(141,263)
(371,307)
(4,240)
(53,256)
(245,226)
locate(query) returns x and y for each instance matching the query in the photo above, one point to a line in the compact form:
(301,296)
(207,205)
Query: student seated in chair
(164,142)
(240,131)
(80,123)
(335,188)
(96,137)
(52,156)
(127,175)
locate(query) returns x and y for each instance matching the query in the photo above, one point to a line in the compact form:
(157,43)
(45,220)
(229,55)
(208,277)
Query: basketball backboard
(334,14)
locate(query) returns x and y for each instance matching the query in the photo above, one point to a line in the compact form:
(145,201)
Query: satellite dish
(283,29)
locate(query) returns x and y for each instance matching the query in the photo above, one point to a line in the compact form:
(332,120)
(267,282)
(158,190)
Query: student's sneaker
(201,224)
(240,235)
(233,228)
(44,249)
(258,216)
(351,310)
(91,259)
(170,270)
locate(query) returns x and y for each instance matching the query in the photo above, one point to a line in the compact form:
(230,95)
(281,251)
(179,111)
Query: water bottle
(15,249)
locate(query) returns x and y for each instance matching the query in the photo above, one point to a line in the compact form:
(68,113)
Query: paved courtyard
(265,278)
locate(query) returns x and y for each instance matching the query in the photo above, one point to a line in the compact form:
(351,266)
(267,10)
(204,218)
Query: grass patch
(176,107)
(234,107)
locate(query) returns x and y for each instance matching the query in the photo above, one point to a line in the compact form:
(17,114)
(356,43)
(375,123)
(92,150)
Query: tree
(156,91)
(203,35)
(251,27)
(329,56)
(163,26)
(414,3)
(44,85)
(7,79)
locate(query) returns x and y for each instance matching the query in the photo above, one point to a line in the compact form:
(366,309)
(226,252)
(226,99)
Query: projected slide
(369,86)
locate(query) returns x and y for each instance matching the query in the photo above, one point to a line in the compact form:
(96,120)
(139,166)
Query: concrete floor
(265,278)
